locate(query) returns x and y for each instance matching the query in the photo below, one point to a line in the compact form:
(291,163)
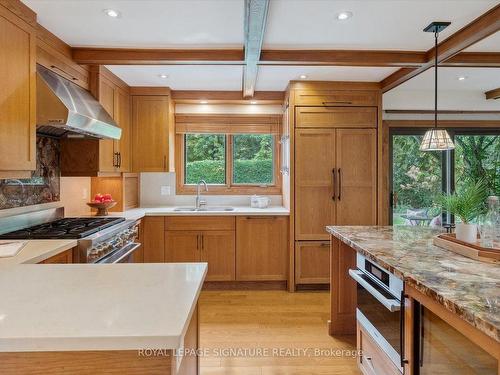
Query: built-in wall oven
(380,307)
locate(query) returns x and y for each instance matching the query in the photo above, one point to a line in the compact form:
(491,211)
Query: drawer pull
(370,363)
(336,102)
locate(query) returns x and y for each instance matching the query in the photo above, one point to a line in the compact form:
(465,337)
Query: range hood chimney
(65,109)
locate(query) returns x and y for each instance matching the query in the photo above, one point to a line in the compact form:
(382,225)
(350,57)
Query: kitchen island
(457,298)
(114,318)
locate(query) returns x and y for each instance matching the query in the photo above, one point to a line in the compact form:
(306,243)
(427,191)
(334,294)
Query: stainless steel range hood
(64,109)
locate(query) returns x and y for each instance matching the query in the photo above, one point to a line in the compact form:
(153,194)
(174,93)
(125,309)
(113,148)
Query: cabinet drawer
(199,223)
(312,262)
(336,117)
(336,97)
(373,361)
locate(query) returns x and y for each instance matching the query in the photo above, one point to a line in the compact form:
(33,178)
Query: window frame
(229,187)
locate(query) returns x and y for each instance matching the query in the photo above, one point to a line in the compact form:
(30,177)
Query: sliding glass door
(418,177)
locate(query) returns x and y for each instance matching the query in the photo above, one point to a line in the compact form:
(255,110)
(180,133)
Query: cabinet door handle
(115,159)
(334,183)
(197,242)
(119,160)
(202,242)
(164,162)
(340,183)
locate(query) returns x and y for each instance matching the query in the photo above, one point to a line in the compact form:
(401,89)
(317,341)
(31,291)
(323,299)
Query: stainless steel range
(100,239)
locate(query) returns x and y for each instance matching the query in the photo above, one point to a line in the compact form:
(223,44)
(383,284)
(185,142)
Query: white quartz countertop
(36,251)
(97,307)
(137,213)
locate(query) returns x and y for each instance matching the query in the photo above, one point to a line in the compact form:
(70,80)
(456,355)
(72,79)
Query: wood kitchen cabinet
(150,133)
(314,183)
(312,262)
(62,258)
(214,244)
(92,157)
(262,248)
(153,239)
(17,94)
(335,180)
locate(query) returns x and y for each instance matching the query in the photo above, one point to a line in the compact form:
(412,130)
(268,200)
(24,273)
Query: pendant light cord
(436,34)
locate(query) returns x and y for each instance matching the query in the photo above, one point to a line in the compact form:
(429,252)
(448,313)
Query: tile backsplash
(43,186)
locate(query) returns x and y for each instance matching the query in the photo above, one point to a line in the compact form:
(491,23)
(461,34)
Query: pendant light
(436,139)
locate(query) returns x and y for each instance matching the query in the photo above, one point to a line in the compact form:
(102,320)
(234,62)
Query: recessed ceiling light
(253,102)
(303,76)
(163,76)
(203,102)
(112,13)
(342,16)
(462,78)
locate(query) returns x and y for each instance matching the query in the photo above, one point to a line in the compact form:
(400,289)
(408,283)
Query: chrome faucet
(200,202)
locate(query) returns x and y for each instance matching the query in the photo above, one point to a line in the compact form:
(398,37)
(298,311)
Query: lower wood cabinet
(215,244)
(251,248)
(62,258)
(153,239)
(214,247)
(262,248)
(312,262)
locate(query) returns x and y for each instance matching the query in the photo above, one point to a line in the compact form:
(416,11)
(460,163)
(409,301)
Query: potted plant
(467,203)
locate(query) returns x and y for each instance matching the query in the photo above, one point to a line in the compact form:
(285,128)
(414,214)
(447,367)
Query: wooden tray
(475,251)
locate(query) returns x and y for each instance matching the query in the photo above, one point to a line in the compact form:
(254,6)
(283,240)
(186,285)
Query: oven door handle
(390,304)
(131,247)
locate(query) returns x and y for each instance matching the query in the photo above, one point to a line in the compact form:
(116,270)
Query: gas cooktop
(71,227)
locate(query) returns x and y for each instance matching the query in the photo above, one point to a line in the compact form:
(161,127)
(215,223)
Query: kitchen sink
(203,209)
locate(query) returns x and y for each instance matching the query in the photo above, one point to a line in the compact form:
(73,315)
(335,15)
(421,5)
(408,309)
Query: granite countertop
(466,287)
(65,307)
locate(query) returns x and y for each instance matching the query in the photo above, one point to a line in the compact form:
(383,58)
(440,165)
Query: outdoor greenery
(252,158)
(467,202)
(417,177)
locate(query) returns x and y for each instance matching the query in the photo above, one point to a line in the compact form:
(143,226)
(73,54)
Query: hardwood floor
(287,328)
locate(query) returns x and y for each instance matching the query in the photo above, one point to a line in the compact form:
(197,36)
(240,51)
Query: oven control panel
(113,244)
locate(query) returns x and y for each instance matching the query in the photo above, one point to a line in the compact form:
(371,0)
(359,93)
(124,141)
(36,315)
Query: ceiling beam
(493,94)
(255,25)
(482,27)
(474,59)
(343,57)
(147,56)
(141,56)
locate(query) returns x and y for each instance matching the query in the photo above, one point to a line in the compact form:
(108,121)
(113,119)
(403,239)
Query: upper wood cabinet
(337,97)
(17,96)
(150,133)
(262,248)
(104,155)
(336,117)
(55,55)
